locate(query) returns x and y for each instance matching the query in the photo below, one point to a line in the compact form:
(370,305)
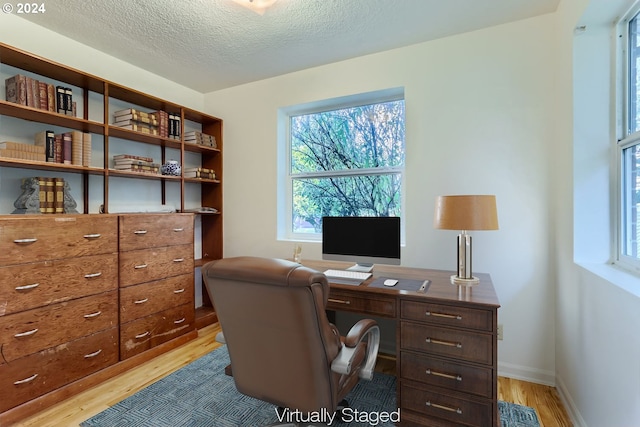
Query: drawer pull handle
(140,232)
(445,315)
(177,230)
(178,291)
(27,287)
(447,343)
(138,267)
(178,260)
(23,241)
(94,354)
(445,408)
(91,275)
(26,334)
(142,335)
(177,322)
(338,301)
(26,380)
(96,314)
(443,375)
(141,301)
(92,236)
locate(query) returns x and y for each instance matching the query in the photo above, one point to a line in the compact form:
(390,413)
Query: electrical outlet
(500,331)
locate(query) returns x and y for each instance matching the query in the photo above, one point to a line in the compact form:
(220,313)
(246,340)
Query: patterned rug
(201,395)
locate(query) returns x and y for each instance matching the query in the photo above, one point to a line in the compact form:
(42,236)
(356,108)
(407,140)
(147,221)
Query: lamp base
(455,280)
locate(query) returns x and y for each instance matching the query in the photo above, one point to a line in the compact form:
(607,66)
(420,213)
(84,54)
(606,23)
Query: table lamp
(476,212)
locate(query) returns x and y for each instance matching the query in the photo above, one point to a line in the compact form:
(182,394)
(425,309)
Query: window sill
(616,275)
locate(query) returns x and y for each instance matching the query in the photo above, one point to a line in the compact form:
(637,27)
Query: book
(128,111)
(42,194)
(163,123)
(86,149)
(68,101)
(57,139)
(66,148)
(46,139)
(138,118)
(58,203)
(131,156)
(42,96)
(139,168)
(76,147)
(51,98)
(16,89)
(60,100)
(142,128)
(51,194)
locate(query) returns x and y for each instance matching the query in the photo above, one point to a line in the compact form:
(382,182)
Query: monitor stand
(364,268)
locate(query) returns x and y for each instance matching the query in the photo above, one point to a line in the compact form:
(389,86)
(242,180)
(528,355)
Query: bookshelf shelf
(41,116)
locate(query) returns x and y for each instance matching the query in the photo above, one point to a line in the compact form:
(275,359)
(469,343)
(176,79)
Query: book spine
(51,98)
(58,148)
(11,89)
(51,194)
(86,149)
(60,100)
(42,96)
(68,102)
(76,147)
(66,148)
(59,195)
(42,194)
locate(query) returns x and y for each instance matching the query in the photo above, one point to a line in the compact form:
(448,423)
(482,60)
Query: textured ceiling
(213,44)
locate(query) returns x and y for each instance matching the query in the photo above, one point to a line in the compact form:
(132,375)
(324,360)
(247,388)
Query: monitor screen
(363,240)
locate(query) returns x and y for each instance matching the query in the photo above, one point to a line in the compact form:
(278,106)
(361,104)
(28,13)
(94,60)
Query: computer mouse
(390,282)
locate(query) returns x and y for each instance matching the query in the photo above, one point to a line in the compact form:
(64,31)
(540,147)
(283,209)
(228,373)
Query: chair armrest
(342,364)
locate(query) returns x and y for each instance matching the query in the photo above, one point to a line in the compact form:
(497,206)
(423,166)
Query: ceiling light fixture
(258,6)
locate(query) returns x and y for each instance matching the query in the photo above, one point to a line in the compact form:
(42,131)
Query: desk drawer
(146,231)
(446,373)
(375,305)
(447,315)
(156,263)
(148,298)
(464,345)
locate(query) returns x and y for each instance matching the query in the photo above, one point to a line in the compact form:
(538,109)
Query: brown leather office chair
(283,350)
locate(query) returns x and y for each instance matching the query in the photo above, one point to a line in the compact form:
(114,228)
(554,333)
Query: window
(345,157)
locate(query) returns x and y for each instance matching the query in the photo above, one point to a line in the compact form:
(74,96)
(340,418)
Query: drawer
(39,239)
(148,298)
(447,373)
(31,331)
(463,345)
(150,331)
(146,231)
(447,315)
(435,403)
(27,286)
(155,263)
(376,305)
(34,375)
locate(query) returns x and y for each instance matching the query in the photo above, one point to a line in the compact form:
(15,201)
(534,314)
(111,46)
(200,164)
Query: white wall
(479,119)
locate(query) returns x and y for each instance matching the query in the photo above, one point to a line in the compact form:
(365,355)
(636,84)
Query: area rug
(201,395)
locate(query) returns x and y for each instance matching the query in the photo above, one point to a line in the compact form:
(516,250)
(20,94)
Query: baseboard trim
(569,404)
(524,373)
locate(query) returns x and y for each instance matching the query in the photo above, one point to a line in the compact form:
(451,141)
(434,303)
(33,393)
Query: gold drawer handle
(94,354)
(139,266)
(142,335)
(179,291)
(26,380)
(445,408)
(92,236)
(443,375)
(177,322)
(141,301)
(140,232)
(339,301)
(26,334)
(447,343)
(24,241)
(89,316)
(89,276)
(178,260)
(177,230)
(445,315)
(27,287)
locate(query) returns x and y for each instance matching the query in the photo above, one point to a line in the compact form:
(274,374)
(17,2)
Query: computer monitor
(363,240)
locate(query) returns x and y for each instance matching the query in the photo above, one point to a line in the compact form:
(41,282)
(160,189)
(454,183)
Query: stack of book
(168,124)
(195,137)
(28,91)
(19,150)
(203,173)
(131,163)
(51,192)
(70,148)
(136,120)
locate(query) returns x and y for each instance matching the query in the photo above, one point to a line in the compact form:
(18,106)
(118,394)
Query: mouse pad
(403,284)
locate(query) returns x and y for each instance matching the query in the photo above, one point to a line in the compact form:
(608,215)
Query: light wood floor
(74,410)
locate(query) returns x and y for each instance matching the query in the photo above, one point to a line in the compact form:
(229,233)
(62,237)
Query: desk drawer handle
(26,380)
(94,354)
(445,408)
(339,301)
(19,241)
(177,230)
(92,236)
(27,287)
(142,335)
(139,266)
(26,334)
(178,260)
(443,375)
(447,343)
(179,291)
(140,232)
(96,314)
(445,315)
(92,275)
(141,301)
(177,322)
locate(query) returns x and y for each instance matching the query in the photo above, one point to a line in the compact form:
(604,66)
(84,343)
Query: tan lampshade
(466,213)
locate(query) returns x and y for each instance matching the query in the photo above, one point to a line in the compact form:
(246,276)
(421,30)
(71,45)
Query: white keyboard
(347,274)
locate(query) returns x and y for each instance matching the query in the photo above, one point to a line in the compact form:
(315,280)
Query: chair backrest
(281,344)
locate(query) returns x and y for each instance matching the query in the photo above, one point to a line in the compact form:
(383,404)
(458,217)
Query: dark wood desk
(446,343)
